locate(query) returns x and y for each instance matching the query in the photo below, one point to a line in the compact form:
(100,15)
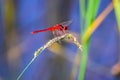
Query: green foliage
(88,15)
(117,11)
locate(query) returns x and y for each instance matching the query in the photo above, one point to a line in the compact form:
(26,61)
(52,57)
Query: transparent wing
(66,23)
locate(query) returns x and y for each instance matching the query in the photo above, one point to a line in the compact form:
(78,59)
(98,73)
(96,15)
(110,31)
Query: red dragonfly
(57,29)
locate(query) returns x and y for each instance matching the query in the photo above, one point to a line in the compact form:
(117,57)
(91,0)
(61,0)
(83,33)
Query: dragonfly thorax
(63,27)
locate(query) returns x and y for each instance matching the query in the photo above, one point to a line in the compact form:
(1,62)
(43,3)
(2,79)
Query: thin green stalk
(82,12)
(18,78)
(39,51)
(82,8)
(83,62)
(67,36)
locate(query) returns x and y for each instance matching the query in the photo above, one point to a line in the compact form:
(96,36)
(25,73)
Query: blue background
(17,45)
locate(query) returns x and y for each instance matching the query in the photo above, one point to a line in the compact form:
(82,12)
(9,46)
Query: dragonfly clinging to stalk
(57,29)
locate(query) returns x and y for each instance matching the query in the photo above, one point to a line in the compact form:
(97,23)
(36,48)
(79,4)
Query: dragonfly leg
(64,31)
(57,33)
(53,33)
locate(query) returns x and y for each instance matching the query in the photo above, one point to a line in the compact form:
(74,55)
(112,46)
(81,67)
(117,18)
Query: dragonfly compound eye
(65,28)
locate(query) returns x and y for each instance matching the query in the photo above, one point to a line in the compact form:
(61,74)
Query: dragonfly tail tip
(32,33)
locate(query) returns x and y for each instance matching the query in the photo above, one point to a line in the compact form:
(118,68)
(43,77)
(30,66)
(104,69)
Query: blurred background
(18,18)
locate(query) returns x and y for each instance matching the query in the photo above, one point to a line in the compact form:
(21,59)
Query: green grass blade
(89,13)
(117,11)
(82,8)
(83,62)
(96,7)
(92,9)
